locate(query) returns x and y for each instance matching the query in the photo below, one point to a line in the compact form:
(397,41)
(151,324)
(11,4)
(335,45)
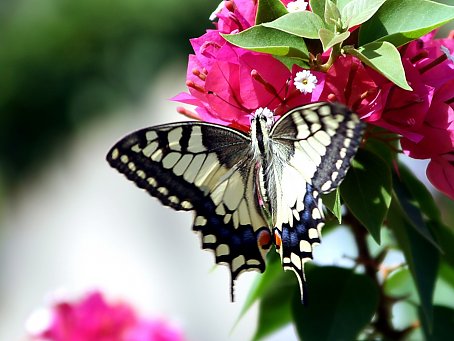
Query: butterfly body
(248,191)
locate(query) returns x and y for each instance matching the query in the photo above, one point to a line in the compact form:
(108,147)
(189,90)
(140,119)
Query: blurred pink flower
(94,319)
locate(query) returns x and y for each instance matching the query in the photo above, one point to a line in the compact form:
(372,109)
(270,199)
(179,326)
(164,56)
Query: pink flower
(95,319)
(440,172)
(435,127)
(405,111)
(236,15)
(349,82)
(227,83)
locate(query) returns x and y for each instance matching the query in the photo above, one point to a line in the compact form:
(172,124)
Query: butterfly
(248,191)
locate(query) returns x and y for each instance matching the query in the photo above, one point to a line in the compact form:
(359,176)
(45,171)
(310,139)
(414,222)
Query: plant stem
(382,324)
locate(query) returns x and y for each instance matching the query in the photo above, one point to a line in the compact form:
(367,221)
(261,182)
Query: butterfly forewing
(206,168)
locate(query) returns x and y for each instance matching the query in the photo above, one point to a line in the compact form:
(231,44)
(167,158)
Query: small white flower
(218,9)
(267,113)
(305,81)
(297,6)
(448,54)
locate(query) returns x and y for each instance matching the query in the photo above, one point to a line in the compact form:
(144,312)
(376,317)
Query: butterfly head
(264,116)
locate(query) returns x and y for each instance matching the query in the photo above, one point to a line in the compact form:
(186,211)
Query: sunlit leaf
(356,12)
(302,24)
(333,202)
(268,40)
(329,39)
(384,58)
(332,14)
(269,10)
(401,21)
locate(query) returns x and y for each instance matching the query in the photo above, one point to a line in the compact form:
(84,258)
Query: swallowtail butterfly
(247,191)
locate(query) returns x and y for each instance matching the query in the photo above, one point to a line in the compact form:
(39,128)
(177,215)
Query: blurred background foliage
(64,62)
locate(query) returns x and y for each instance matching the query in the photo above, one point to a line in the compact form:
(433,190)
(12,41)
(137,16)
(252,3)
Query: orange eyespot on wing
(264,239)
(277,239)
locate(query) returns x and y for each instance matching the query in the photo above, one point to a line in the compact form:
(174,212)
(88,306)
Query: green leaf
(263,282)
(381,148)
(443,325)
(384,58)
(269,10)
(421,256)
(318,7)
(446,273)
(366,190)
(275,290)
(411,209)
(332,15)
(420,192)
(341,304)
(329,39)
(275,306)
(401,21)
(268,40)
(302,24)
(333,202)
(342,3)
(358,11)
(400,285)
(290,61)
(445,238)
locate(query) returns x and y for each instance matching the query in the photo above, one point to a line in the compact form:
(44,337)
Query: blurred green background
(64,62)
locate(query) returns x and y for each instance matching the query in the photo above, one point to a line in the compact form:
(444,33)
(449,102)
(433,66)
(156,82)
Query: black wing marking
(206,168)
(298,235)
(317,143)
(328,136)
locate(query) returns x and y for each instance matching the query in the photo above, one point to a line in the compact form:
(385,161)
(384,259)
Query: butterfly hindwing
(206,168)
